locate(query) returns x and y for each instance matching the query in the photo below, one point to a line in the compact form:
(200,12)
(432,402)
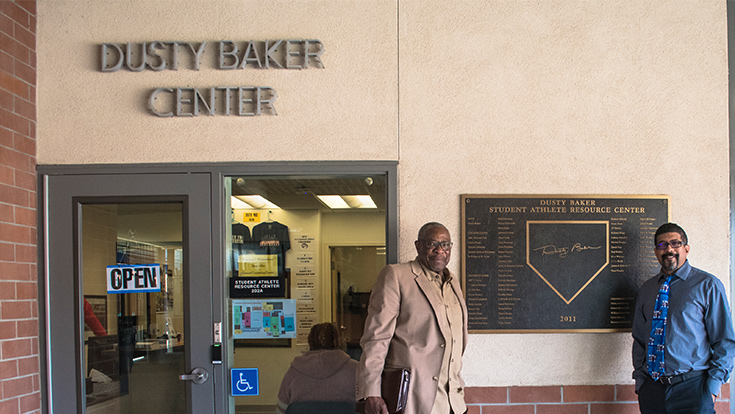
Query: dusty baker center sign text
(157,56)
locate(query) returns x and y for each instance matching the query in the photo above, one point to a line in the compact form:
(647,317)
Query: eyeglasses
(665,245)
(432,245)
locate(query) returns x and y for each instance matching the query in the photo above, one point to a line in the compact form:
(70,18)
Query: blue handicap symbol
(244,381)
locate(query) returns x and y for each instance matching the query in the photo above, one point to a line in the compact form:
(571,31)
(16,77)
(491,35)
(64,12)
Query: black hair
(323,336)
(670,228)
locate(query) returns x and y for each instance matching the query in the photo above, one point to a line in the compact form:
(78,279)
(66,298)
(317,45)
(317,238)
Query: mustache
(670,255)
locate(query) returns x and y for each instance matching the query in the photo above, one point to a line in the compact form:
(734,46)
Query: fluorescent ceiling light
(336,202)
(252,202)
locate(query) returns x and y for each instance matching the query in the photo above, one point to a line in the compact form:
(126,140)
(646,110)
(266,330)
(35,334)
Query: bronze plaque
(557,263)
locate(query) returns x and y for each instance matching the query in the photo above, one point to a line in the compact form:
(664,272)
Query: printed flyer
(264,319)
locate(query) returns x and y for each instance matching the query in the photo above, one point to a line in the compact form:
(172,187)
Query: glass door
(129,288)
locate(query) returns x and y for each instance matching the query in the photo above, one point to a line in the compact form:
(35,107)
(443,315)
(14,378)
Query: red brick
(6,63)
(17,386)
(14,271)
(25,36)
(562,409)
(30,402)
(722,406)
(14,195)
(25,145)
(25,253)
(7,250)
(10,406)
(25,216)
(26,73)
(15,122)
(7,175)
(26,290)
(8,369)
(585,393)
(486,395)
(25,109)
(8,330)
(7,291)
(13,158)
(625,393)
(32,99)
(535,394)
(6,136)
(9,82)
(6,100)
(508,409)
(27,328)
(14,11)
(474,409)
(6,25)
(614,408)
(27,366)
(27,5)
(13,233)
(17,348)
(7,213)
(10,310)
(34,348)
(725,391)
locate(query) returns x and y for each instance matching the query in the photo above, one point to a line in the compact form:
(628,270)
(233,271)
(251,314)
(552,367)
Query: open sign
(134,278)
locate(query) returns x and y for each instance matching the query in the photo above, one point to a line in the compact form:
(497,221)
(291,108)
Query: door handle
(197,376)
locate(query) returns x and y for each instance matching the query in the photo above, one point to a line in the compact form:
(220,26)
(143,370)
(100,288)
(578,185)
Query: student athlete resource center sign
(551,263)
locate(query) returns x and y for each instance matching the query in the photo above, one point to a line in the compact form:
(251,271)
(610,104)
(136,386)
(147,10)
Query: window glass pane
(293,260)
(132,279)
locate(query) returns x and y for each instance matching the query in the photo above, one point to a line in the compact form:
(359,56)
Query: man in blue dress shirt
(699,343)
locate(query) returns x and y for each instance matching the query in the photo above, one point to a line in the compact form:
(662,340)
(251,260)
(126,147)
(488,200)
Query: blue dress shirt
(699,331)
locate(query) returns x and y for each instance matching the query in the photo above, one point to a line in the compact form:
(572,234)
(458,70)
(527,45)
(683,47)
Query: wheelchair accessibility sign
(244,381)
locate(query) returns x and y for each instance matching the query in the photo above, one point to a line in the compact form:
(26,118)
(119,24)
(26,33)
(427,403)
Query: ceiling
(299,192)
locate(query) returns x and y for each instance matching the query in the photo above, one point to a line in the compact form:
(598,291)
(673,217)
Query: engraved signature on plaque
(564,251)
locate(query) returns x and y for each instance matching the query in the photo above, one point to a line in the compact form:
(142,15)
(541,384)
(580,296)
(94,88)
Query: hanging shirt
(272,238)
(240,240)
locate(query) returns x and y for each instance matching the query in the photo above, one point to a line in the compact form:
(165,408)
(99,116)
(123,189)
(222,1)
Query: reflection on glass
(133,338)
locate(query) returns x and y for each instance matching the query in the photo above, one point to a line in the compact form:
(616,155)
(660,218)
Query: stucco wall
(497,97)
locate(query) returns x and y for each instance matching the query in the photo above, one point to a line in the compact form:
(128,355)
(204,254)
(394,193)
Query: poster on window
(264,319)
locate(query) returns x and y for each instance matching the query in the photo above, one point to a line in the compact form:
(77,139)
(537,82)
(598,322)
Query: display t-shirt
(272,238)
(240,242)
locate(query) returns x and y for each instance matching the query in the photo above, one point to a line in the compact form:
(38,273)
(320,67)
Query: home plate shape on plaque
(567,255)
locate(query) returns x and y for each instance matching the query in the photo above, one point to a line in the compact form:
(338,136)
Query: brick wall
(19,363)
(567,399)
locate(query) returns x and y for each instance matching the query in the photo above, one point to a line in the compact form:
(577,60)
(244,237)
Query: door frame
(217,173)
(65,194)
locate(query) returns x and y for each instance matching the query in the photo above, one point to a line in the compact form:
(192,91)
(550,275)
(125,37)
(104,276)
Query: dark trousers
(687,397)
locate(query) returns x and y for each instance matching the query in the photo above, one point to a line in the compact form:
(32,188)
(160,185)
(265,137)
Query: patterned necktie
(658,332)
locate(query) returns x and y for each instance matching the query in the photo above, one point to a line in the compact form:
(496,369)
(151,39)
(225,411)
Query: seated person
(323,373)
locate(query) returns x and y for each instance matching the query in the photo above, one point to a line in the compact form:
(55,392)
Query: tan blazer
(402,330)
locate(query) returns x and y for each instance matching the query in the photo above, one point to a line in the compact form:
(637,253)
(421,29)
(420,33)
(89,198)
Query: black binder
(394,390)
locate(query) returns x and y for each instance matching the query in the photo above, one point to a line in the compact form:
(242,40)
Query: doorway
(354,270)
(129,292)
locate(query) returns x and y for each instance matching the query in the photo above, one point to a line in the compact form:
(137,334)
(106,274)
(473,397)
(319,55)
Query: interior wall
(496,97)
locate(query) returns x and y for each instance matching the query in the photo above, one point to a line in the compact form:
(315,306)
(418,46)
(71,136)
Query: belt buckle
(666,380)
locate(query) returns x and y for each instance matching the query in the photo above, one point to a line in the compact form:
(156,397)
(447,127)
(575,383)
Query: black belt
(675,379)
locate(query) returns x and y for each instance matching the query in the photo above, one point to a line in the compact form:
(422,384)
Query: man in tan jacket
(417,319)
